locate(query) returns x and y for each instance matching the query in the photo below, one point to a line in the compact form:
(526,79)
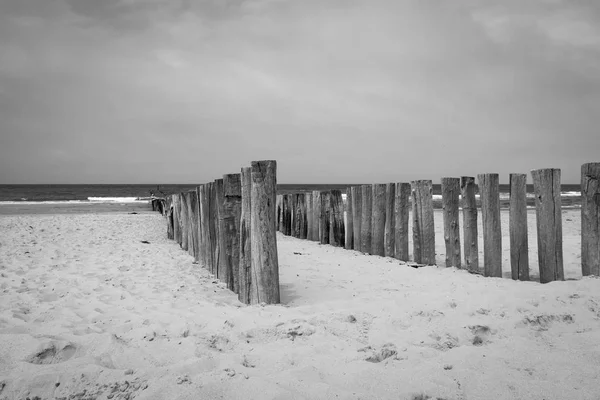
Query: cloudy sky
(339,91)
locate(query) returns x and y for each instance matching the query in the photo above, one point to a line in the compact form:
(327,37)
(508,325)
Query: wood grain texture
(337,235)
(378,220)
(356,215)
(366,218)
(220,254)
(203,199)
(245,259)
(423,225)
(176,223)
(183,210)
(450,203)
(546,186)
(325,217)
(470,235)
(198,227)
(316,210)
(193,217)
(232,211)
(213,226)
(590,219)
(517,220)
(492,234)
(401,214)
(390,220)
(303,216)
(265,264)
(349,221)
(308,198)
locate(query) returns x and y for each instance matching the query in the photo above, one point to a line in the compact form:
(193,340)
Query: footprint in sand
(52,353)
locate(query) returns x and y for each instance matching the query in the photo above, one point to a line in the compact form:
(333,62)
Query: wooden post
(288,214)
(517,220)
(245,268)
(308,197)
(295,216)
(170,227)
(193,217)
(184,221)
(232,211)
(214,228)
(265,265)
(423,225)
(590,219)
(302,215)
(469,206)
(349,222)
(336,223)
(176,224)
(402,207)
(279,211)
(221,265)
(546,185)
(489,192)
(378,222)
(317,216)
(207,226)
(325,217)
(450,200)
(366,218)
(356,215)
(390,220)
(198,212)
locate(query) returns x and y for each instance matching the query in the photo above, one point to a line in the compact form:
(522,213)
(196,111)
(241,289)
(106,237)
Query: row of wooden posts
(228,226)
(377,221)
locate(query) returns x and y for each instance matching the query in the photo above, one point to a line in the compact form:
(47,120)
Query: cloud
(364,91)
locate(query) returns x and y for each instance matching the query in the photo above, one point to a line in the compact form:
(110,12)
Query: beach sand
(89,311)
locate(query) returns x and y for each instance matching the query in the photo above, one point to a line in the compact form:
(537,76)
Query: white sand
(85,306)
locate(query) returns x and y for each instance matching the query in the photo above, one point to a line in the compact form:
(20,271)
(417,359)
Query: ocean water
(136,193)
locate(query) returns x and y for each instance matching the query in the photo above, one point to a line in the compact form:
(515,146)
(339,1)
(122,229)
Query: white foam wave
(117,200)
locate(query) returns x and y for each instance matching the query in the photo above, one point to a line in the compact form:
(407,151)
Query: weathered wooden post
(279,201)
(232,211)
(265,265)
(489,191)
(325,218)
(193,216)
(590,219)
(336,224)
(390,220)
(199,222)
(207,226)
(170,227)
(308,197)
(349,223)
(176,223)
(245,268)
(469,206)
(450,200)
(517,220)
(546,185)
(184,221)
(214,228)
(303,209)
(356,215)
(366,218)
(221,266)
(378,221)
(316,212)
(423,225)
(401,213)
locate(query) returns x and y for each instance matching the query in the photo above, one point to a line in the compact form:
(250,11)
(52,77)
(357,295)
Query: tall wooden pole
(308,197)
(356,215)
(349,223)
(316,210)
(390,220)
(213,226)
(492,235)
(336,224)
(193,217)
(245,267)
(232,211)
(221,264)
(366,218)
(303,215)
(590,219)
(198,226)
(378,221)
(402,207)
(469,208)
(423,224)
(517,220)
(325,217)
(546,185)
(184,221)
(450,200)
(265,264)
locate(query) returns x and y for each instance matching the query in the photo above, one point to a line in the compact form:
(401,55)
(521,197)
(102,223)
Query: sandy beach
(89,310)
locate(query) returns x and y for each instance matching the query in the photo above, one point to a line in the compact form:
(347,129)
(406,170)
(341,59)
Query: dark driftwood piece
(423,225)
(349,222)
(232,210)
(517,220)
(245,268)
(325,218)
(546,185)
(356,215)
(590,219)
(390,220)
(366,218)
(450,200)
(378,220)
(492,234)
(337,234)
(402,208)
(265,265)
(469,206)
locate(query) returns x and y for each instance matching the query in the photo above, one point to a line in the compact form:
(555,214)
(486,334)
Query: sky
(337,91)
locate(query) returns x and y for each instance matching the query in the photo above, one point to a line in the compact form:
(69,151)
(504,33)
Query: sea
(142,193)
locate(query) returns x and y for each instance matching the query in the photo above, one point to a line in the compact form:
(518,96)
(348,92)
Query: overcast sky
(337,91)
